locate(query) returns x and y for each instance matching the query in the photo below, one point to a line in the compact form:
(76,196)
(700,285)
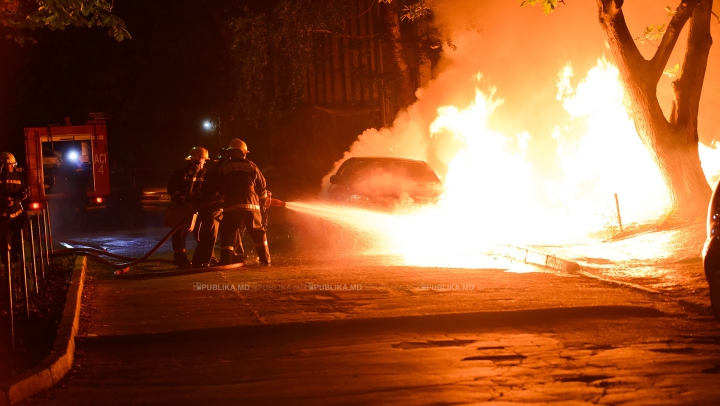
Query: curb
(54,367)
(535,257)
(620,283)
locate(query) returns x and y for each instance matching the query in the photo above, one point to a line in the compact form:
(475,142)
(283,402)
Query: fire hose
(97,253)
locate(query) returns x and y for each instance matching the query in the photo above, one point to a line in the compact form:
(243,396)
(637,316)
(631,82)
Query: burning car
(384,183)
(711,251)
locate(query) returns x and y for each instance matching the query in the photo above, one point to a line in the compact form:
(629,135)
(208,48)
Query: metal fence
(35,249)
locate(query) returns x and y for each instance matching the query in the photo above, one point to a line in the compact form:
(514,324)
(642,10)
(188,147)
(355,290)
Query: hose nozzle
(276,203)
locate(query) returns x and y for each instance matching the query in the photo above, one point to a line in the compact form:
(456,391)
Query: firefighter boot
(263,254)
(239,254)
(181,260)
(227,257)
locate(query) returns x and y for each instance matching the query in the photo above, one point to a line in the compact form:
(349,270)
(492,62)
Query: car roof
(385,158)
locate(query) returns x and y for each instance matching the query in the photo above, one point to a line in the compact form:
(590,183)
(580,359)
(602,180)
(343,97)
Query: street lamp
(214,125)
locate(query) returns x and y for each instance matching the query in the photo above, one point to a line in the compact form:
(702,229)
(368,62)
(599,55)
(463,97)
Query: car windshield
(377,177)
(410,170)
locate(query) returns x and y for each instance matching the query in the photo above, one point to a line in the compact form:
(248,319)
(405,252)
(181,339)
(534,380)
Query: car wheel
(715,294)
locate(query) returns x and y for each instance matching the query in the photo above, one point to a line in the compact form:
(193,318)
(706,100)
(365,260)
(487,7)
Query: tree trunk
(680,168)
(391,15)
(673,143)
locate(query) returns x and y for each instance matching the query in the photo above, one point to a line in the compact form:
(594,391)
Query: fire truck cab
(57,152)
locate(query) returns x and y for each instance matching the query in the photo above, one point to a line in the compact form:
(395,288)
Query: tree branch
(609,6)
(688,87)
(618,36)
(662,55)
(368,9)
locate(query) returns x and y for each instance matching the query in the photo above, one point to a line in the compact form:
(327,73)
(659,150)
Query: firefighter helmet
(237,143)
(7,158)
(197,153)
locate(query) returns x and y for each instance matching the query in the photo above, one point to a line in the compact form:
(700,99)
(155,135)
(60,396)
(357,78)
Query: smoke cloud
(519,51)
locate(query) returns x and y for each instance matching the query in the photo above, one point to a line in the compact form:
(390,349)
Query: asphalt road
(349,329)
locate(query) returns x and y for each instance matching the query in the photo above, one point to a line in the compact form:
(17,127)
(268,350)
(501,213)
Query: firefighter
(242,186)
(210,221)
(12,192)
(184,188)
(209,218)
(239,252)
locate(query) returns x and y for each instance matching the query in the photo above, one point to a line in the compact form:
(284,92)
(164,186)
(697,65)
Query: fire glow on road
(400,234)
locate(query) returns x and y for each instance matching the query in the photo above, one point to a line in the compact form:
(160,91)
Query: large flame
(495,194)
(601,155)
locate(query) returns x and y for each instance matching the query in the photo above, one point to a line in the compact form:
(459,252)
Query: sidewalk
(667,262)
(298,333)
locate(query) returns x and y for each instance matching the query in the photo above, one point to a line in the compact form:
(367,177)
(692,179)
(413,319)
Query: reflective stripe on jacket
(12,185)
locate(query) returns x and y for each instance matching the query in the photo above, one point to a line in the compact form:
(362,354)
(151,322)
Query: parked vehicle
(384,183)
(153,183)
(711,251)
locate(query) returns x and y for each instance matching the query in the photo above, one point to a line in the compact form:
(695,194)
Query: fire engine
(55,151)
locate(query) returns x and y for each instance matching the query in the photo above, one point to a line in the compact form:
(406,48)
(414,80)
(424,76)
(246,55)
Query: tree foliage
(19,16)
(548,5)
(274,51)
(551,5)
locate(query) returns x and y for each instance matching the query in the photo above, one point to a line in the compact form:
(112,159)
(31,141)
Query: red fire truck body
(53,149)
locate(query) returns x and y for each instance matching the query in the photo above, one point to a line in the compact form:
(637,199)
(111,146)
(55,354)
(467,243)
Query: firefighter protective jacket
(210,188)
(12,185)
(242,185)
(186,182)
